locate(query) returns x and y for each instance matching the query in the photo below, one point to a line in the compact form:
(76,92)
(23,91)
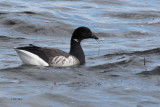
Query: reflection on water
(125,72)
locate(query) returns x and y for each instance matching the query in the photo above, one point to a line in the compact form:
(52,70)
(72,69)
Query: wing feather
(63,61)
(46,54)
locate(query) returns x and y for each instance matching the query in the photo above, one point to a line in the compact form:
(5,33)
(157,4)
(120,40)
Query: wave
(6,38)
(127,61)
(145,52)
(155,71)
(112,65)
(45,23)
(140,15)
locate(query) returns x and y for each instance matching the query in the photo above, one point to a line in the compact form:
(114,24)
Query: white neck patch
(76,40)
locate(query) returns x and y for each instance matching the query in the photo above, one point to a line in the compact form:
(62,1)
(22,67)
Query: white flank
(63,61)
(30,58)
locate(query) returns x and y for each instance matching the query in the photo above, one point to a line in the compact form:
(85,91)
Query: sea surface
(122,70)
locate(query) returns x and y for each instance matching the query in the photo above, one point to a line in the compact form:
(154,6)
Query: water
(123,73)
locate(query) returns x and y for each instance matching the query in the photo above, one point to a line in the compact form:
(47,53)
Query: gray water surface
(122,70)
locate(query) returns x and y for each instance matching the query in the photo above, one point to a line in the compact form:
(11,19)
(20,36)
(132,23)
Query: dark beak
(94,36)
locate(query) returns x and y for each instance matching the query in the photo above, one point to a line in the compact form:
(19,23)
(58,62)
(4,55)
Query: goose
(44,56)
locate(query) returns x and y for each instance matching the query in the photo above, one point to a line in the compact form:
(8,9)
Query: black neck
(77,51)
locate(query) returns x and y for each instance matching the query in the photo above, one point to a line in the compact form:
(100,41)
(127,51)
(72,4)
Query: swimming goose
(43,56)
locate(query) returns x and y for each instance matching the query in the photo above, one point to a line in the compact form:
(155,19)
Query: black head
(83,33)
